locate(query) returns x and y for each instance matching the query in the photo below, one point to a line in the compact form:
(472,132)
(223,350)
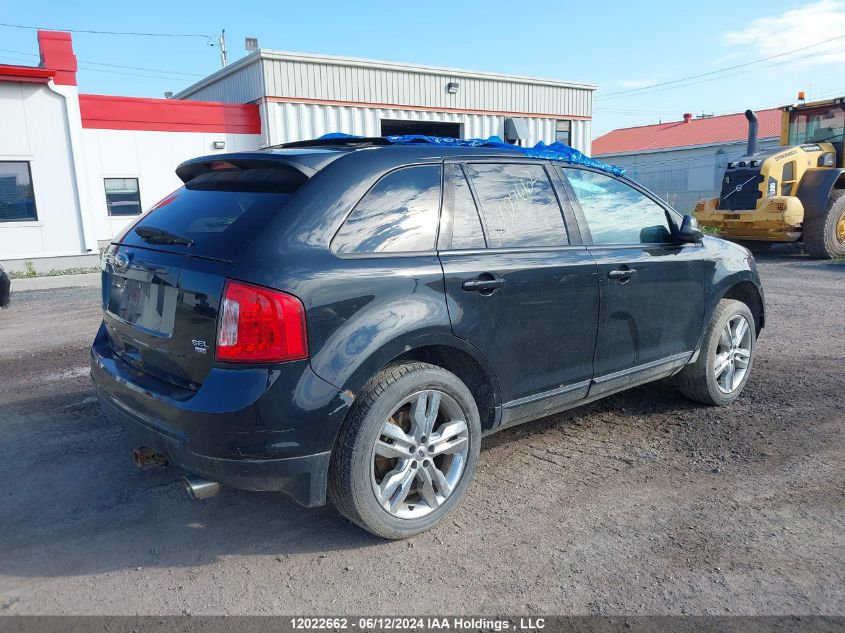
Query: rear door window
(519,205)
(459,204)
(398,215)
(616,213)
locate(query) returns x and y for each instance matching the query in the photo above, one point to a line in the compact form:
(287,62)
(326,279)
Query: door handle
(485,284)
(622,274)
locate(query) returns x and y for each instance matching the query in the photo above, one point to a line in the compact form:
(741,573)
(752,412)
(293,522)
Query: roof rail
(555,151)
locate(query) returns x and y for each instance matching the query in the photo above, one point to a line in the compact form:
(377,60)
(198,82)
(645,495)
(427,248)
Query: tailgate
(163,277)
(160,311)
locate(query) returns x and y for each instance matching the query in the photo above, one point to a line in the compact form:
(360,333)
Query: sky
(652,61)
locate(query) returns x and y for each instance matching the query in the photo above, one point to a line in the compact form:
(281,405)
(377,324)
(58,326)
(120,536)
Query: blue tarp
(555,151)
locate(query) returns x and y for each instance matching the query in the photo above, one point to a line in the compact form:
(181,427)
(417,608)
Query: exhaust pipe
(200,488)
(752,132)
(145,457)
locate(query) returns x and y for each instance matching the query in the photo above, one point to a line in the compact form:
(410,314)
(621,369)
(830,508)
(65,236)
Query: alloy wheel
(733,354)
(420,454)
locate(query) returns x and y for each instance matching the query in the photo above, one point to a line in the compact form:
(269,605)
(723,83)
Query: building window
(426,128)
(123,196)
(563,132)
(17,200)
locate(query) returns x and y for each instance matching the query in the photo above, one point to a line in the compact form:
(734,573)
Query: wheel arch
(478,379)
(815,188)
(748,293)
(443,350)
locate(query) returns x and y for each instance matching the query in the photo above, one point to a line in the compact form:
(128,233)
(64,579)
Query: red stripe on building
(168,115)
(26,74)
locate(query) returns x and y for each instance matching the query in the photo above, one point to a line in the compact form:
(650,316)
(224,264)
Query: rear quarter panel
(363,312)
(360,311)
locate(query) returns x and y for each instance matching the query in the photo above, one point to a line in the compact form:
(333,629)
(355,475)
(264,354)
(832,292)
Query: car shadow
(73,503)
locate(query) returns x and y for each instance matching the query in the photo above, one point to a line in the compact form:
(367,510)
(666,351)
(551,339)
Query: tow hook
(145,457)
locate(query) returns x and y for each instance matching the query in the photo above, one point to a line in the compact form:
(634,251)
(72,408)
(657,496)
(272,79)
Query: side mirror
(689,231)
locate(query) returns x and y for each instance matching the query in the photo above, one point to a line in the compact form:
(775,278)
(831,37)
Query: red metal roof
(26,74)
(729,128)
(168,115)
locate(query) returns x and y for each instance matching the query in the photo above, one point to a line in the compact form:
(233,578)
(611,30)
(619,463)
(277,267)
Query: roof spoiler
(340,140)
(195,167)
(244,172)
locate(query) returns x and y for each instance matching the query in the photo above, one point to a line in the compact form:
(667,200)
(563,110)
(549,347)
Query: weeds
(29,271)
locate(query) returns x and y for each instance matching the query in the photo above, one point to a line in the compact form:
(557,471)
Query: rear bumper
(302,478)
(262,429)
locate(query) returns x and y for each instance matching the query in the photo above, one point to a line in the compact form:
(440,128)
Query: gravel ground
(642,503)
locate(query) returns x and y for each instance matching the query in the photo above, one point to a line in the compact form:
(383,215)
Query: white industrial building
(304,96)
(76,168)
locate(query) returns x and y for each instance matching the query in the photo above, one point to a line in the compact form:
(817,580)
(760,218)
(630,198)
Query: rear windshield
(213,215)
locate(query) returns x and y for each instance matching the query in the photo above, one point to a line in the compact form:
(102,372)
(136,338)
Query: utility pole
(221,43)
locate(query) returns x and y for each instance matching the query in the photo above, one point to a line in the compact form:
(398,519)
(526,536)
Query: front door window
(616,213)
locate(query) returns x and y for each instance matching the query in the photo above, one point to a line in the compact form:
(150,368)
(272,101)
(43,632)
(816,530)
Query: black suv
(5,288)
(351,319)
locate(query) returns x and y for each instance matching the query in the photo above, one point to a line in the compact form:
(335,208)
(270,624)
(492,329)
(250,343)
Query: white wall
(284,122)
(33,128)
(42,126)
(152,158)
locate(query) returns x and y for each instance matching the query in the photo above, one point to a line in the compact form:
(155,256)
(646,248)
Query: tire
(698,381)
(359,468)
(824,236)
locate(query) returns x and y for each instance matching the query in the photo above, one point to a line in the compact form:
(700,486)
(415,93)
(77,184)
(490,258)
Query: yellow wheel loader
(792,192)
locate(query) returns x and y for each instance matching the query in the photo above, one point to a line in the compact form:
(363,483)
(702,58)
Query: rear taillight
(260,325)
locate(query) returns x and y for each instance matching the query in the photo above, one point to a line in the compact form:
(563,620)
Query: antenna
(222,44)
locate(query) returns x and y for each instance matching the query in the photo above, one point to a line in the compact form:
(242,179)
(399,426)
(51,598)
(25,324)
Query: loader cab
(818,124)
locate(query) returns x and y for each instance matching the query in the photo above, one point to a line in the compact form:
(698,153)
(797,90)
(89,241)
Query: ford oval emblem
(121,262)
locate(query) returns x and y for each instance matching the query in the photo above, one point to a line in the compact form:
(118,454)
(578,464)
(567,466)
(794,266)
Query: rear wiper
(152,235)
